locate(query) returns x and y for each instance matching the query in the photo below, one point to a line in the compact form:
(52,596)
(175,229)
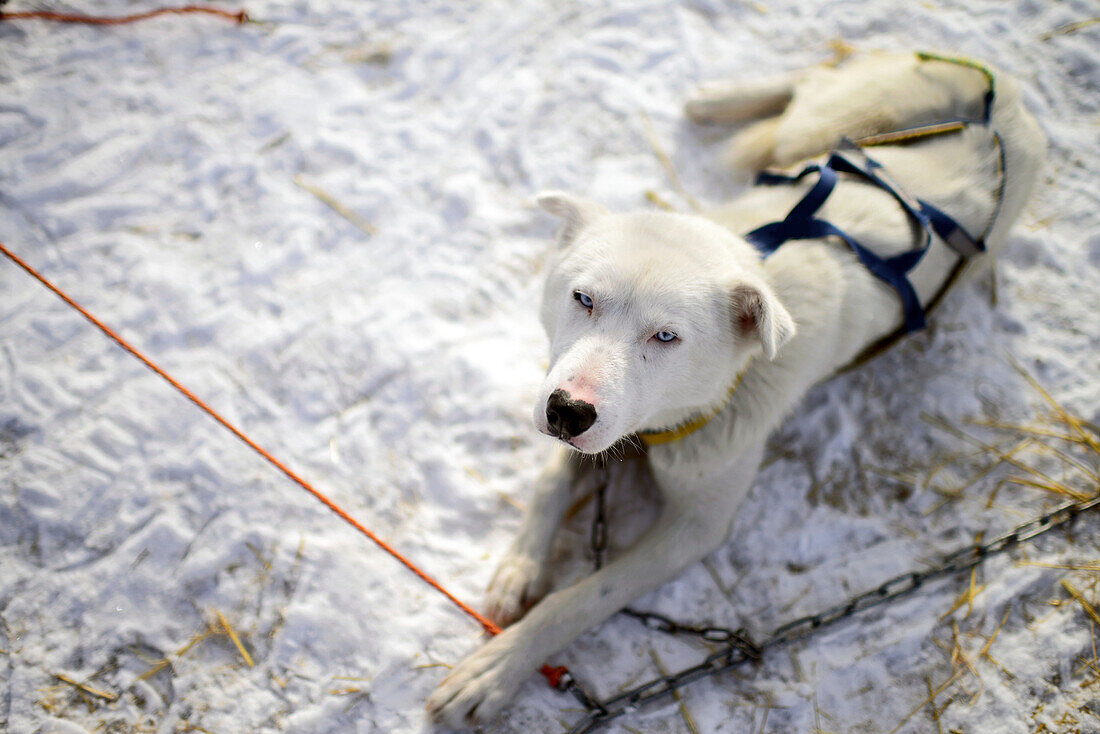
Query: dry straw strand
(233,636)
(1089,610)
(689,721)
(666,162)
(85,688)
(332,203)
(1067,28)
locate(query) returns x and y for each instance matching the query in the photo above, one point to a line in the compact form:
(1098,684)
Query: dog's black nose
(567,417)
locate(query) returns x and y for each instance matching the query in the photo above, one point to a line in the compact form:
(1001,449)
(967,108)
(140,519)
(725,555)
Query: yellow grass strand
(1066,28)
(1089,566)
(666,162)
(966,597)
(932,704)
(1081,600)
(655,199)
(931,697)
(85,688)
(329,201)
(1070,420)
(233,636)
(684,713)
(1051,485)
(1021,428)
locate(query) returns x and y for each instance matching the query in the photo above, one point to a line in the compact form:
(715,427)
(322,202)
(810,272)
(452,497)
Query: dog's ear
(758,314)
(573,210)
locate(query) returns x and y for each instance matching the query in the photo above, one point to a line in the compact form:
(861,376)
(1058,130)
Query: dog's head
(650,316)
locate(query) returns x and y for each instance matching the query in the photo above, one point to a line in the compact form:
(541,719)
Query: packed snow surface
(166,174)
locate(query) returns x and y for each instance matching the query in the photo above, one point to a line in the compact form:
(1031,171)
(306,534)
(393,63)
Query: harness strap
(801,223)
(922,132)
(970,64)
(953,235)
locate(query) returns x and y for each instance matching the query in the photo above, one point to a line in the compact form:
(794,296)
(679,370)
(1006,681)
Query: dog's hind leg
(872,95)
(753,148)
(814,111)
(730,102)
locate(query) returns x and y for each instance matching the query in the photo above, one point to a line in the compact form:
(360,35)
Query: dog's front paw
(478,688)
(519,582)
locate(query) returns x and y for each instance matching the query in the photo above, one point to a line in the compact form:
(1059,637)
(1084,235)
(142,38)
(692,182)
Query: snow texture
(150,170)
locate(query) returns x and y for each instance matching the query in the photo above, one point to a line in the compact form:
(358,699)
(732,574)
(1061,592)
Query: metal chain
(598,538)
(568,684)
(961,560)
(597,543)
(738,648)
(658,622)
(718,635)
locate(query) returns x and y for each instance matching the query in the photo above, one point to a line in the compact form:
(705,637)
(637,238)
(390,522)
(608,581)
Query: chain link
(738,648)
(718,635)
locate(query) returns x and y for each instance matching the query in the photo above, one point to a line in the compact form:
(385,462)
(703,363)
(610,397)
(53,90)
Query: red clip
(553,675)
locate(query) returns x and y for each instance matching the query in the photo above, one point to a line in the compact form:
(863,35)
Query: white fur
(791,320)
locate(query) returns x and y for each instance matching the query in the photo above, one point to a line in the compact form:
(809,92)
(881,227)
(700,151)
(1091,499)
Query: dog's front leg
(521,578)
(695,520)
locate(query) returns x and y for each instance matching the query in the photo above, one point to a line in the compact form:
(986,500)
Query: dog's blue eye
(664,336)
(584,299)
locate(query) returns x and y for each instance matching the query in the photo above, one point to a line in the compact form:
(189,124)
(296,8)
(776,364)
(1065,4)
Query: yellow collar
(656,438)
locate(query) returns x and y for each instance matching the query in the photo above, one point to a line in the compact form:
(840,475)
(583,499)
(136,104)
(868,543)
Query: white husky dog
(675,328)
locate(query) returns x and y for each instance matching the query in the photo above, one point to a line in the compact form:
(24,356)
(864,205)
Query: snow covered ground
(151,170)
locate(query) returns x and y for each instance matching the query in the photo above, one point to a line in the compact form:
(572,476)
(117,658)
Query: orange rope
(240,16)
(483,621)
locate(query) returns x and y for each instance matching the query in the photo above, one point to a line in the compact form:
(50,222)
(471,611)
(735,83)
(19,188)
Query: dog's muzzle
(566,417)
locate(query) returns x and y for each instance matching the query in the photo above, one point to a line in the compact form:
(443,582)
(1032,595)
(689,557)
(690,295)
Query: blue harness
(802,223)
